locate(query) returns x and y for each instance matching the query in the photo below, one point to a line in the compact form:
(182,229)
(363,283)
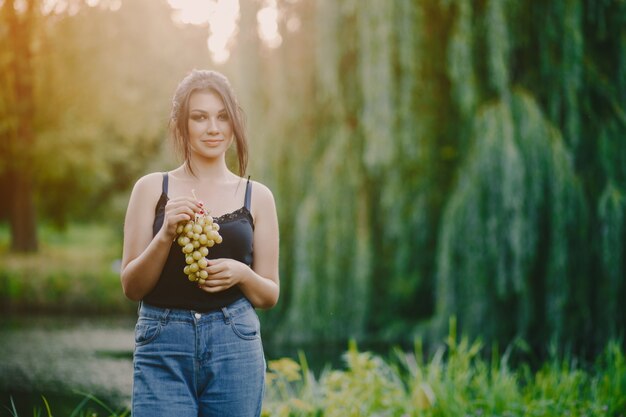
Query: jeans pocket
(246,325)
(146,330)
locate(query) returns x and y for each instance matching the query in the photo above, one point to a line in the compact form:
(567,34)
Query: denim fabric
(198,364)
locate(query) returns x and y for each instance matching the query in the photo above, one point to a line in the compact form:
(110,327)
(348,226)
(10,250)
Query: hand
(223,274)
(180,209)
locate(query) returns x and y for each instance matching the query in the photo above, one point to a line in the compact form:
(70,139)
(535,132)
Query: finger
(212,270)
(214,289)
(180,208)
(215,261)
(181,217)
(176,210)
(215,283)
(216,265)
(221,275)
(185,200)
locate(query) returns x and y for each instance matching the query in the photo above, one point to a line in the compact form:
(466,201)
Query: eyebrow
(205,112)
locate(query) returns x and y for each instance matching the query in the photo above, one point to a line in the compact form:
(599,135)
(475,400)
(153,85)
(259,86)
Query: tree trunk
(21,138)
(22,213)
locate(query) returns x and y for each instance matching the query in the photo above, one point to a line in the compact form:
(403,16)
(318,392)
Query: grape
(195,237)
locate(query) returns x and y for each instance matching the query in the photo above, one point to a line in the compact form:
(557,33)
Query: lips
(212,142)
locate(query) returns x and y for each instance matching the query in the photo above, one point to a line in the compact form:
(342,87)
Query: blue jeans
(198,364)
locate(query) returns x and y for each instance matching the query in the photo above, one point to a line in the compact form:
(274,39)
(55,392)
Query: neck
(210,170)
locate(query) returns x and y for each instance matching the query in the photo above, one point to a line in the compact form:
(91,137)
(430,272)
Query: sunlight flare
(222,17)
(267,19)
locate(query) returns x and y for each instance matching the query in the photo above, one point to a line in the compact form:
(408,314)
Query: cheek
(227,128)
(194,128)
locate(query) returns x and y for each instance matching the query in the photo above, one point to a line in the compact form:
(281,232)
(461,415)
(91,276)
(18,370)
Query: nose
(212,128)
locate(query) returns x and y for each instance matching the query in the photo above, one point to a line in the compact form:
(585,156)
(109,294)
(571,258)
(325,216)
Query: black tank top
(174,290)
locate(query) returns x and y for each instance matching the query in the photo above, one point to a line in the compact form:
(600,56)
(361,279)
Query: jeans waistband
(191,316)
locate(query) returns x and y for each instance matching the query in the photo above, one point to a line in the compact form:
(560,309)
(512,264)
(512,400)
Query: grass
(89,406)
(74,270)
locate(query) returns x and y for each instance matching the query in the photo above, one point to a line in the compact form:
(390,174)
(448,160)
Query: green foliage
(491,241)
(455,380)
(486,142)
(99,121)
(75,270)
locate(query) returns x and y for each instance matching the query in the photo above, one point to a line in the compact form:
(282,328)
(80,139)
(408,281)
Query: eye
(223,117)
(198,117)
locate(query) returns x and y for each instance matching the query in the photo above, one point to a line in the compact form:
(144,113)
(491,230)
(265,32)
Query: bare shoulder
(149,183)
(261,193)
(150,180)
(262,199)
(147,189)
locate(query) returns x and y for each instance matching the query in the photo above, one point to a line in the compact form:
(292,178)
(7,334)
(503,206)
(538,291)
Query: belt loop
(139,307)
(165,314)
(226,315)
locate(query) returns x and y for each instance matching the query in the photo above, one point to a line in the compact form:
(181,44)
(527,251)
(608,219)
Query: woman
(198,348)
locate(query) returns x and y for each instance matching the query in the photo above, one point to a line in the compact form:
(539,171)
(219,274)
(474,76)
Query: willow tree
(330,259)
(520,253)
(505,264)
(459,157)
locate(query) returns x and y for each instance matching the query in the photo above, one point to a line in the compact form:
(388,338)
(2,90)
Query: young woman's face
(210,128)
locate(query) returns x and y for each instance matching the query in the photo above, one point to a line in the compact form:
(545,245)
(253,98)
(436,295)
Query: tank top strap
(165,182)
(246,202)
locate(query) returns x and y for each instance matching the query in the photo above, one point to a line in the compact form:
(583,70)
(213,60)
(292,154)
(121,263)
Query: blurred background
(429,159)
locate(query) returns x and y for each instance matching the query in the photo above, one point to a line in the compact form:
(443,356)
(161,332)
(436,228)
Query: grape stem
(193,193)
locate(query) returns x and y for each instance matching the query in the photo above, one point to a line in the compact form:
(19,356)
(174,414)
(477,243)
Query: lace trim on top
(241,212)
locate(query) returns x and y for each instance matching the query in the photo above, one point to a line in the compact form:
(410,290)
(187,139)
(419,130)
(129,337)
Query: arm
(259,283)
(144,255)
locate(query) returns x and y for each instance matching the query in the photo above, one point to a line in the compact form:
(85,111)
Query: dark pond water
(66,358)
(62,358)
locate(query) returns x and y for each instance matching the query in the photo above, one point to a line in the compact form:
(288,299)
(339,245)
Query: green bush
(455,381)
(74,270)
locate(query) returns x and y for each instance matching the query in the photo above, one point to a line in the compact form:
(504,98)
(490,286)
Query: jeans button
(198,315)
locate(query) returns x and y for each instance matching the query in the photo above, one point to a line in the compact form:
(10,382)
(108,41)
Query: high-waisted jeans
(198,364)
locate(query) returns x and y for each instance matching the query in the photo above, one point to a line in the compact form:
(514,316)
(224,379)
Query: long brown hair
(218,83)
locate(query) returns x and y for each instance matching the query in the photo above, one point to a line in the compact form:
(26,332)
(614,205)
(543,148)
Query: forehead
(205,100)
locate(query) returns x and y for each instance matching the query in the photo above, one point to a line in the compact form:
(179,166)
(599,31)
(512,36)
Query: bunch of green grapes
(195,237)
